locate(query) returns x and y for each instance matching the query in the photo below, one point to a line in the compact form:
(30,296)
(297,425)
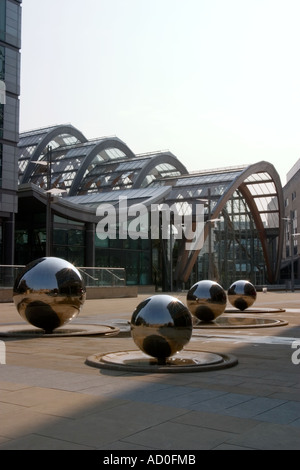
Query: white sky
(217,82)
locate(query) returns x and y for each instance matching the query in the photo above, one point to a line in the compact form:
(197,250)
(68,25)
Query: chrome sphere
(206,300)
(49,292)
(242,294)
(161,326)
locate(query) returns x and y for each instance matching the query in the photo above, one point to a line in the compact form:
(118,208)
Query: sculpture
(206,300)
(49,292)
(161,326)
(242,294)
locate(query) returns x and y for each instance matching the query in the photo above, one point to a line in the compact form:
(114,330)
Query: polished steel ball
(206,300)
(161,326)
(242,294)
(49,292)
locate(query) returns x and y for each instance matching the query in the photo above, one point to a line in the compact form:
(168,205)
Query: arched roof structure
(33,147)
(82,167)
(261,189)
(105,169)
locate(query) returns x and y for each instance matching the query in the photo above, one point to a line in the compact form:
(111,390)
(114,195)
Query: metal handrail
(88,275)
(114,273)
(12,265)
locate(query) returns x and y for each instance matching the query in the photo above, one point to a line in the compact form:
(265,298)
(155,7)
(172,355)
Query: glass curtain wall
(30,238)
(236,248)
(30,235)
(2,76)
(69,240)
(133,255)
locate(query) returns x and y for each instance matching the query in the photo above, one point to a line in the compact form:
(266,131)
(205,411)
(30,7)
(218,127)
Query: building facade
(52,181)
(242,216)
(10,44)
(291,253)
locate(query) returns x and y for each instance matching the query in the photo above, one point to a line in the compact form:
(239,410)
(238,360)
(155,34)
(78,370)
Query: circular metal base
(27,331)
(184,361)
(255,310)
(123,326)
(241,321)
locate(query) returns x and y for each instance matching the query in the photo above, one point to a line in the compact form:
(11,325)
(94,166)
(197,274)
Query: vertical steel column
(49,228)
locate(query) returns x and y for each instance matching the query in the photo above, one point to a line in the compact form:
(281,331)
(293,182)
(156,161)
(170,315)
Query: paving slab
(50,399)
(266,436)
(37,442)
(213,420)
(174,435)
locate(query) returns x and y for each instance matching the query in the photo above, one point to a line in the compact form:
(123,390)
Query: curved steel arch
(184,271)
(166,157)
(103,145)
(54,132)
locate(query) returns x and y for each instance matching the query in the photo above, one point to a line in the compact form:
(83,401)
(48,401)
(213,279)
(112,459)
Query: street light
(50,192)
(210,253)
(207,202)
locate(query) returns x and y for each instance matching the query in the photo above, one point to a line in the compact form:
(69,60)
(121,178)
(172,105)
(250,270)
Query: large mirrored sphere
(161,326)
(49,292)
(242,294)
(206,300)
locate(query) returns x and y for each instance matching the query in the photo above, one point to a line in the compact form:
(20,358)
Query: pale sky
(216,82)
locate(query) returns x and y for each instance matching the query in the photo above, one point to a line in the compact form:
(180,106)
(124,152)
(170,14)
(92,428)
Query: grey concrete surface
(50,399)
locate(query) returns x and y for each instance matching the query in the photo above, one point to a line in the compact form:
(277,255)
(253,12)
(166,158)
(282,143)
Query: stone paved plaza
(50,399)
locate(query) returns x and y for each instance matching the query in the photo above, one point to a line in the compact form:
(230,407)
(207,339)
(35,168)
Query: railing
(226,169)
(92,276)
(8,274)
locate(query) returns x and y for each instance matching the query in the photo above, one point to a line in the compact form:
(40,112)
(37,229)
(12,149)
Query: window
(1,155)
(2,63)
(2,19)
(1,241)
(1,120)
(2,77)
(69,240)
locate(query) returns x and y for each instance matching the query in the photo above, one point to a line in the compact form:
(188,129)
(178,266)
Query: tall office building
(291,253)
(10,44)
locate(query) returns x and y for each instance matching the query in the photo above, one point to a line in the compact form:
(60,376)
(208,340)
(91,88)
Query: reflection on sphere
(161,326)
(206,300)
(242,294)
(49,292)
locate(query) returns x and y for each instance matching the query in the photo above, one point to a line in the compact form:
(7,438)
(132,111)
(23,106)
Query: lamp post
(207,202)
(49,192)
(48,164)
(48,212)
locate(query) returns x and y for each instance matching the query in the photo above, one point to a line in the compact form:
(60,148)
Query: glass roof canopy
(213,185)
(260,187)
(33,147)
(84,169)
